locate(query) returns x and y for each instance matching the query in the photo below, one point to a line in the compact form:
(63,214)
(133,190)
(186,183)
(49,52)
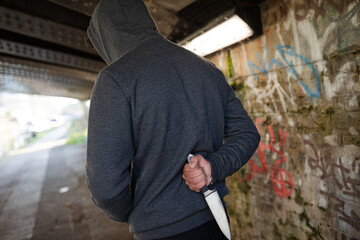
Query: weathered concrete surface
(300,83)
(31,205)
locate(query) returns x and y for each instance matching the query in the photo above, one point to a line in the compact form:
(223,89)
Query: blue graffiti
(285,51)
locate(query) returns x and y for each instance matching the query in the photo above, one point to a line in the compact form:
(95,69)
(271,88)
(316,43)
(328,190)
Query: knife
(216,207)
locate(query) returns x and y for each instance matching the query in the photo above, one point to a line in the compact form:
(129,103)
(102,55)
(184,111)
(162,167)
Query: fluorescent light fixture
(225,34)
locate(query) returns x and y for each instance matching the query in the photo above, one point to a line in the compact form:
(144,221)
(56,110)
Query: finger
(197,180)
(193,174)
(205,165)
(192,187)
(196,187)
(194,161)
(187,168)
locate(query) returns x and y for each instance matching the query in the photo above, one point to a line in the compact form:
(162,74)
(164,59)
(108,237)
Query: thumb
(194,161)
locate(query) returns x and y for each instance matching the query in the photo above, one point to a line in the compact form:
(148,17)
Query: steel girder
(50,56)
(38,28)
(24,76)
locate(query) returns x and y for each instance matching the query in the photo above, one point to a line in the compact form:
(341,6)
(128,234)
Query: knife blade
(213,200)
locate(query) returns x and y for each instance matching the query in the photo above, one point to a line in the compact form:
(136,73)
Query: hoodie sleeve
(110,149)
(241,140)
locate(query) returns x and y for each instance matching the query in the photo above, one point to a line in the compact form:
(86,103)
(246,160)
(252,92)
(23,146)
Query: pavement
(43,194)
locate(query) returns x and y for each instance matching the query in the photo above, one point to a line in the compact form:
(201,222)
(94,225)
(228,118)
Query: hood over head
(118,26)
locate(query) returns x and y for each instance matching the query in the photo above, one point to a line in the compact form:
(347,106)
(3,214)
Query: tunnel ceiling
(44,48)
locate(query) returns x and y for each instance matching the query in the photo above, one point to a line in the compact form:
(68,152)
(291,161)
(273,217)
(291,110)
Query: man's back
(176,105)
(153,105)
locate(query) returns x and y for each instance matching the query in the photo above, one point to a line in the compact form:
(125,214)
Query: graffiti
(336,172)
(338,205)
(336,234)
(344,28)
(281,180)
(287,52)
(306,61)
(301,10)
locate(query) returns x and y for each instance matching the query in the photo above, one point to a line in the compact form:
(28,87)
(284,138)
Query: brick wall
(300,83)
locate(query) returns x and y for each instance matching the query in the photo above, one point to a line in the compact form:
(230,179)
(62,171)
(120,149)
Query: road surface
(43,194)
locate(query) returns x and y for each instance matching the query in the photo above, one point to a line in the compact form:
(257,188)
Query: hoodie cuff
(214,163)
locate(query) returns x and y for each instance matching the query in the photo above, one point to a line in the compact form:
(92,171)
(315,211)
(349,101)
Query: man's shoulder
(158,55)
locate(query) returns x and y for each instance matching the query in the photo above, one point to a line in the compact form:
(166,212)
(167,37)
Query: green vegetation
(241,173)
(315,231)
(298,198)
(276,232)
(330,111)
(77,133)
(37,137)
(237,85)
(230,67)
(305,110)
(244,187)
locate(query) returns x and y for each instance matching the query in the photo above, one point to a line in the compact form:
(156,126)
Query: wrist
(213,167)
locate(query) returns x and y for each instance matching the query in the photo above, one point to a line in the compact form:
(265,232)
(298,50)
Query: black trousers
(207,231)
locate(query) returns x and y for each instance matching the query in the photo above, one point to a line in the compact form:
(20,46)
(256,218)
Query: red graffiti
(280,178)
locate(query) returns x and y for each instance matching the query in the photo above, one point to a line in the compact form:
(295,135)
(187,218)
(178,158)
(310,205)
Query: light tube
(225,34)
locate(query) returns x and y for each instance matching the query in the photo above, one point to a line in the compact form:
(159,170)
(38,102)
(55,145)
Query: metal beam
(83,6)
(165,19)
(45,55)
(23,76)
(28,65)
(173,5)
(34,27)
(197,15)
(87,6)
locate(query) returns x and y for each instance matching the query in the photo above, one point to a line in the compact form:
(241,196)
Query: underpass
(43,194)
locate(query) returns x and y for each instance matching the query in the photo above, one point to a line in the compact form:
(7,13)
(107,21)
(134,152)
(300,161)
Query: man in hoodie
(154,104)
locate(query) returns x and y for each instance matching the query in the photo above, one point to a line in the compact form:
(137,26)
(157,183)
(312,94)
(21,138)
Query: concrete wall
(300,83)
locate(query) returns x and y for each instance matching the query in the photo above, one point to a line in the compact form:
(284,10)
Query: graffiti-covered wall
(300,83)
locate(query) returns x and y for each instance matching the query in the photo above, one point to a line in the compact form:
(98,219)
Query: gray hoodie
(151,106)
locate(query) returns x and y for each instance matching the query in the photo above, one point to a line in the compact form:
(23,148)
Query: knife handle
(189,157)
(204,188)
